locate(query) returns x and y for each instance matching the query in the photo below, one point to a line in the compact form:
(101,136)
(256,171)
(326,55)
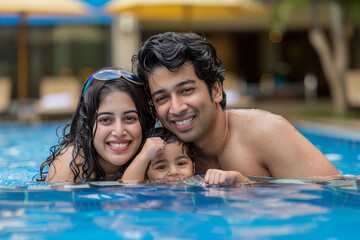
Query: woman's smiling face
(118,132)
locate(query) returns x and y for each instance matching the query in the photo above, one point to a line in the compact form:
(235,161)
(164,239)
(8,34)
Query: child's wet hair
(170,137)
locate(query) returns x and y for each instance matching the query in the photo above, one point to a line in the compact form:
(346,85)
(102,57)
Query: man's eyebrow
(180,84)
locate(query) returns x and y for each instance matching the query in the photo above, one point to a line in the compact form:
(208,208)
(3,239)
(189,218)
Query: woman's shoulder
(59,168)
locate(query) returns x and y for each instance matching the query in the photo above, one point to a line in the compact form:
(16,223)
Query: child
(165,156)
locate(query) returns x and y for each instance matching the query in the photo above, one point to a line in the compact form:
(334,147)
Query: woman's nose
(119,129)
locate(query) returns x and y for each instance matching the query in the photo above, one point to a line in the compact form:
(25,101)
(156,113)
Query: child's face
(171,164)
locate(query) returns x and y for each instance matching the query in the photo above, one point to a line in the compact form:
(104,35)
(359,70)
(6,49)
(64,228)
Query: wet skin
(252,142)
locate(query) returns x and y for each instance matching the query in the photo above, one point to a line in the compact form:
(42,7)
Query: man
(185,81)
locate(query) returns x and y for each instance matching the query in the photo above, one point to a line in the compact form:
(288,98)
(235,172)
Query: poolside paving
(312,112)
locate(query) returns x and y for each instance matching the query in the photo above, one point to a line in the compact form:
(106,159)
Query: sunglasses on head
(111,74)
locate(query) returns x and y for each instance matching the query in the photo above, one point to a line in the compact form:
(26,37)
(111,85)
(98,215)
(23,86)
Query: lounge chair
(58,96)
(352,87)
(5,94)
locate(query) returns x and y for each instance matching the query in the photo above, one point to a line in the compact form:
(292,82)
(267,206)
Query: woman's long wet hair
(80,132)
(172,50)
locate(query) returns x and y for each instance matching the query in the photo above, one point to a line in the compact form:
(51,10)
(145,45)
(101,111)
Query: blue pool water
(266,209)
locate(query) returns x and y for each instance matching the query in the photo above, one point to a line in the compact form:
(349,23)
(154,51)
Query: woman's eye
(130,118)
(104,120)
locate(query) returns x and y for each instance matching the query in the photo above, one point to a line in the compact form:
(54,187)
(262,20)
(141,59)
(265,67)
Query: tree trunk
(334,64)
(320,44)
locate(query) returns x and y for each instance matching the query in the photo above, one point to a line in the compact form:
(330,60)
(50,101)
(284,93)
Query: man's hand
(221,177)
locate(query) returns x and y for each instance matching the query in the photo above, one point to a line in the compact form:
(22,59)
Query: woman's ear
(217,92)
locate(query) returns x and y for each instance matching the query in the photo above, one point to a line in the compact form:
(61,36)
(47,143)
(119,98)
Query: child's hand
(153,147)
(221,177)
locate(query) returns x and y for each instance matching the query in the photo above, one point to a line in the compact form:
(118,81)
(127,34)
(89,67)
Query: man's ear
(217,92)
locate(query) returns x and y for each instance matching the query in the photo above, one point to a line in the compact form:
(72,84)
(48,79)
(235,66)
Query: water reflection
(158,209)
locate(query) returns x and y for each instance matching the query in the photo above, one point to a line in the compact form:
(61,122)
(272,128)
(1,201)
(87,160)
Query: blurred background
(290,57)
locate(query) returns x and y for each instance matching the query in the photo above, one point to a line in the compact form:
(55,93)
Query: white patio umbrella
(36,7)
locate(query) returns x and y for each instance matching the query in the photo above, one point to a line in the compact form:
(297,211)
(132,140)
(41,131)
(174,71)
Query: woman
(111,119)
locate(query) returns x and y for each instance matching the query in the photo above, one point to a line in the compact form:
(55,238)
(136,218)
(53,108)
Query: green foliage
(282,12)
(283,9)
(352,7)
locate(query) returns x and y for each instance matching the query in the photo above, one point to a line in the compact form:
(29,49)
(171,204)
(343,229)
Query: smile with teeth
(183,122)
(119,145)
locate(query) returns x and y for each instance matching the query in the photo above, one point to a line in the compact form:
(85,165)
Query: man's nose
(177,105)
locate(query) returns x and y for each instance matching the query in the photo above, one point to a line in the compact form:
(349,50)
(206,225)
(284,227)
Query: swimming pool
(269,209)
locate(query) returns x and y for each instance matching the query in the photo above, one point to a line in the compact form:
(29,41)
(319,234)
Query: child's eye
(161,167)
(182,163)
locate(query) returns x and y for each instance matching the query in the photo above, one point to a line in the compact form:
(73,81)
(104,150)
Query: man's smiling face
(182,101)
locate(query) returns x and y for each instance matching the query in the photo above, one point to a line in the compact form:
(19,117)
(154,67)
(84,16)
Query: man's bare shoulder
(254,117)
(256,124)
